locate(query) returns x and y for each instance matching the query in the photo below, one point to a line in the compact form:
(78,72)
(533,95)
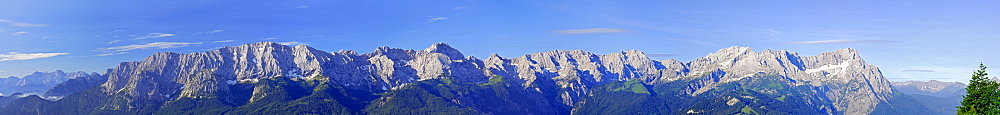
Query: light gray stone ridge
(167,76)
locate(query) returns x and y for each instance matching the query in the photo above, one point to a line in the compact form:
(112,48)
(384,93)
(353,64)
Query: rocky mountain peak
(848,52)
(730,53)
(259,46)
(347,52)
(494,55)
(734,49)
(264,44)
(634,53)
(847,55)
(384,49)
(445,49)
(300,46)
(54,73)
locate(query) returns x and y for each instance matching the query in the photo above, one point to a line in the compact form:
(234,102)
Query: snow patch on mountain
(840,67)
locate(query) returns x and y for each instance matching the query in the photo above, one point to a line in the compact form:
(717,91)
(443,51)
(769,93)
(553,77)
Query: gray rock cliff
(852,85)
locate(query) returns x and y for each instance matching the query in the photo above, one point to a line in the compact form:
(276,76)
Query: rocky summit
(838,82)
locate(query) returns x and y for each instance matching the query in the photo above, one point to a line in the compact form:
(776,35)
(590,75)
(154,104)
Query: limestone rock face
(167,76)
(851,84)
(443,48)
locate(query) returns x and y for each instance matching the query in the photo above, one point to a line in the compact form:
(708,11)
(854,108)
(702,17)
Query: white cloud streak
(113,53)
(21,24)
(155,45)
(154,35)
(223,41)
(215,31)
(116,41)
(436,18)
(302,7)
(590,31)
(271,38)
(293,43)
(26,56)
(18,33)
(836,42)
(209,32)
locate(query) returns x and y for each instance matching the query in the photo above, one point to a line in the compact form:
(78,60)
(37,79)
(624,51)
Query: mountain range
(939,96)
(38,82)
(270,78)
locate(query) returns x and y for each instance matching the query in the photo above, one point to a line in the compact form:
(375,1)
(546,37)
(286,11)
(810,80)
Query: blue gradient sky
(907,40)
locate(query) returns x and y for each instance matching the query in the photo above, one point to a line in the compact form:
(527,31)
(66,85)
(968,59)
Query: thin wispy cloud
(109,33)
(215,31)
(918,70)
(18,33)
(223,41)
(212,49)
(590,31)
(292,43)
(435,18)
(154,35)
(26,56)
(115,41)
(208,32)
(458,8)
(845,41)
(771,32)
(271,38)
(302,7)
(155,45)
(112,53)
(21,24)
(694,41)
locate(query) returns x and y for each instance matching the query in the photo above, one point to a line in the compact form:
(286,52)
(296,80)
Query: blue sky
(907,40)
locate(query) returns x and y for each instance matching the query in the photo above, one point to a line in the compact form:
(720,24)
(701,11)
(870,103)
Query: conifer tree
(982,96)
